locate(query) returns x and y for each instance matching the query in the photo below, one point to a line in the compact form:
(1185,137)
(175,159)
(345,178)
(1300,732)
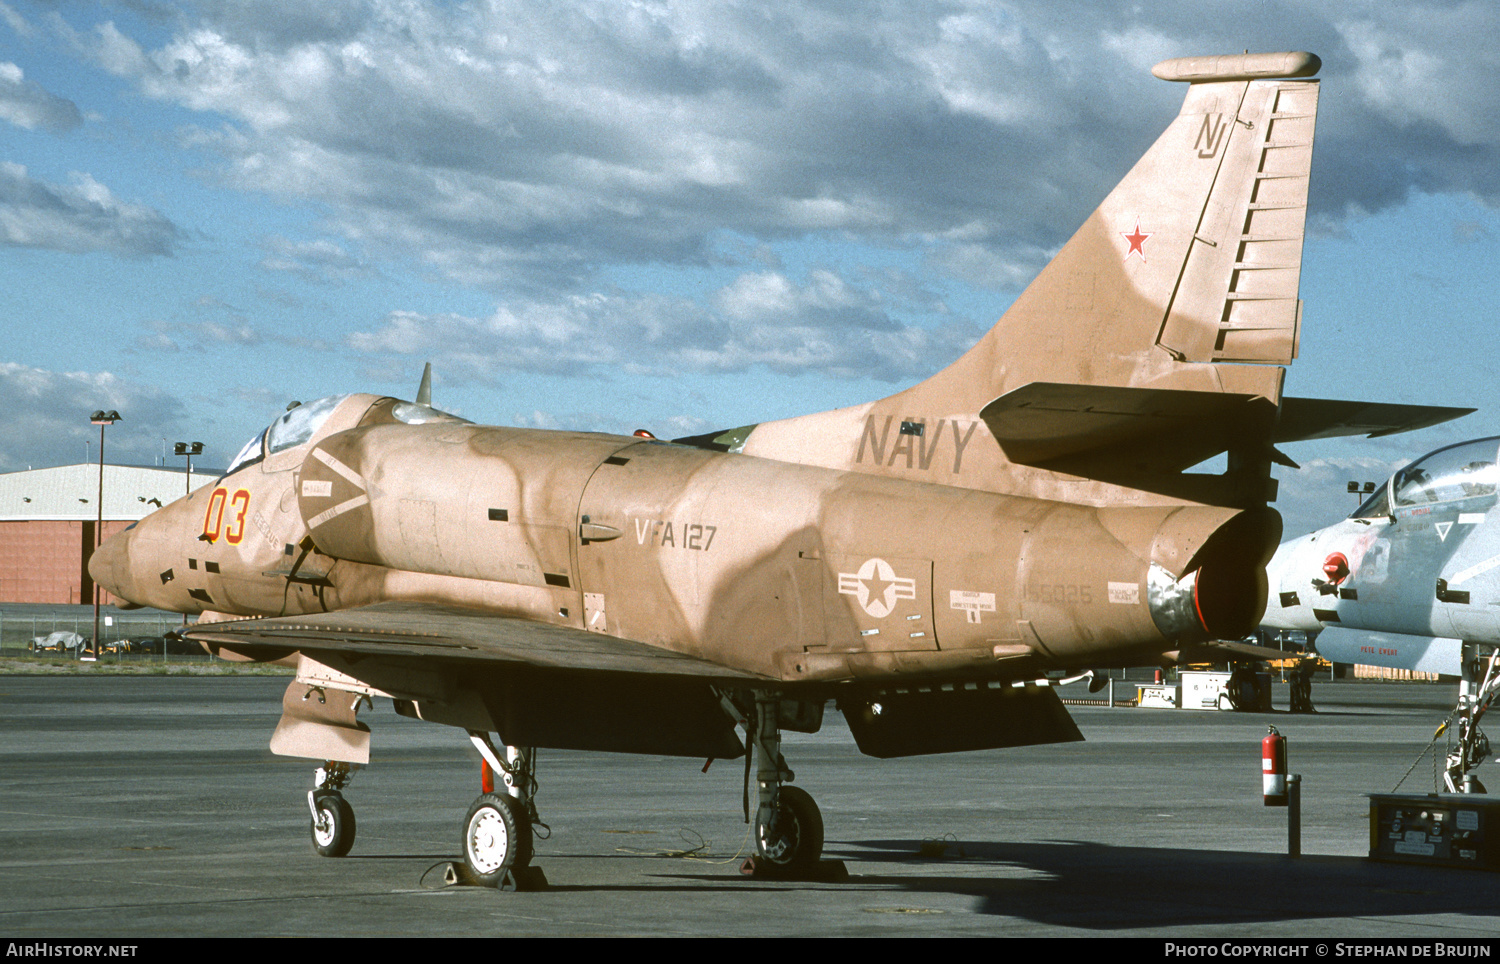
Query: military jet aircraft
(922,561)
(1420,558)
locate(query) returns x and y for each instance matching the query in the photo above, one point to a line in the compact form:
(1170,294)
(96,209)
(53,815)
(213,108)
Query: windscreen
(1452,474)
(252,451)
(299,424)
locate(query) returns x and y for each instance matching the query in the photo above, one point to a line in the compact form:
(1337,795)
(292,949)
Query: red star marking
(1137,241)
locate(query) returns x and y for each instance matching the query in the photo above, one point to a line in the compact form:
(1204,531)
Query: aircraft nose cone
(109,566)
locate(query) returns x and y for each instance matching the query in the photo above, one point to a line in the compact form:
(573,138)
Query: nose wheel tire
(332,824)
(792,841)
(497,838)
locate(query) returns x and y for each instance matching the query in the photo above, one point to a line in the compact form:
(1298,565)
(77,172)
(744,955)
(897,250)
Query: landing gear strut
(1481,684)
(788,826)
(332,817)
(497,835)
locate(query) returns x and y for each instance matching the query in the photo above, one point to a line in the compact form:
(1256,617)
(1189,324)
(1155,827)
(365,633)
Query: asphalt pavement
(151,807)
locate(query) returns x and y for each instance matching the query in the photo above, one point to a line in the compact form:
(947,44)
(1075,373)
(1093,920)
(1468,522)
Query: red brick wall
(44,561)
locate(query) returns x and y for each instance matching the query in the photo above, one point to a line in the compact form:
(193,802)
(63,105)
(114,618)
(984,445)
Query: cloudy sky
(677,216)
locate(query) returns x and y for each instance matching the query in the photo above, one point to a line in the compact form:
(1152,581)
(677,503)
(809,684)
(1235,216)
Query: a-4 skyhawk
(1025,513)
(1420,558)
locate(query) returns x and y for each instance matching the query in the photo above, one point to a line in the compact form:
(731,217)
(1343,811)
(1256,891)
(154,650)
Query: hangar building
(48,517)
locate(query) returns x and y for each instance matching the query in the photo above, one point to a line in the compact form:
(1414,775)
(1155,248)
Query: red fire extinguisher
(1273,768)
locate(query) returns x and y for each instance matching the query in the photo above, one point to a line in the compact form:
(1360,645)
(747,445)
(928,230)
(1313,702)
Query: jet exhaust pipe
(1120,582)
(1223,594)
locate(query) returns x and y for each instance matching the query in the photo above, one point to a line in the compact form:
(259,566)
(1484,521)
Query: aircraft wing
(413,630)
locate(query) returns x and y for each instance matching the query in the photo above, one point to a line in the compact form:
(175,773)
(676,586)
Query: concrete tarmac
(150,806)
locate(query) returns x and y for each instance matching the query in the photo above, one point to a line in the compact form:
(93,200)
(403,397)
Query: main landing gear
(497,833)
(788,825)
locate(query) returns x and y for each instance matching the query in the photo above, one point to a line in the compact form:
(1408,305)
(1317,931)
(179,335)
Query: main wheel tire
(497,838)
(793,841)
(333,827)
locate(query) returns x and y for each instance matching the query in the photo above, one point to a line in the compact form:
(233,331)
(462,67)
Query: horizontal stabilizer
(1310,418)
(1079,428)
(1044,423)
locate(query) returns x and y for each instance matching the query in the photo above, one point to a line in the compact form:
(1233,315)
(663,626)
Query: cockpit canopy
(1456,473)
(302,421)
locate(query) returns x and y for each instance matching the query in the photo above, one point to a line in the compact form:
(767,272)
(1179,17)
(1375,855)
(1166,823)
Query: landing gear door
(887,603)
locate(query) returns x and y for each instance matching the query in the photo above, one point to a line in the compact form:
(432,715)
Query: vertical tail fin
(1184,280)
(1193,259)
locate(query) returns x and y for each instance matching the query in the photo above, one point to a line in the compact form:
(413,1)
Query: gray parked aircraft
(1420,558)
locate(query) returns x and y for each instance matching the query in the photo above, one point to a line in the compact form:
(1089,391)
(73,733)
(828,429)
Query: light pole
(189,449)
(101,419)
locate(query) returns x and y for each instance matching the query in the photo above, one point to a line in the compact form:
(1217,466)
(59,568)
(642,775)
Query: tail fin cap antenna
(1247,66)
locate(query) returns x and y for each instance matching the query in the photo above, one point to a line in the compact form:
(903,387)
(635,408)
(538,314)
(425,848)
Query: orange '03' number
(238,505)
(215,515)
(213,520)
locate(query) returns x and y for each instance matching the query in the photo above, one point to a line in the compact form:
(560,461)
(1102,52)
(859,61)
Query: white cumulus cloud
(80,217)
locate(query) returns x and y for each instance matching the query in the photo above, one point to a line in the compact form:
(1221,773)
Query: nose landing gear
(333,823)
(1479,687)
